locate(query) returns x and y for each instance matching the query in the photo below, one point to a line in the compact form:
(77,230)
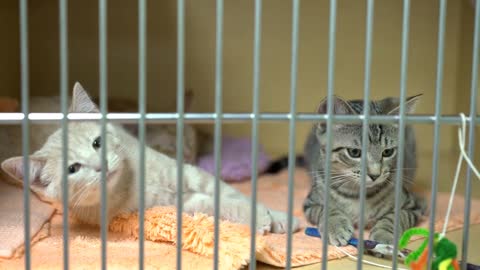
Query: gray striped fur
(345,173)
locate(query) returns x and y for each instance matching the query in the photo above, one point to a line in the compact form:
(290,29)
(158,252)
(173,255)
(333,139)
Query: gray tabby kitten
(345,173)
(122,176)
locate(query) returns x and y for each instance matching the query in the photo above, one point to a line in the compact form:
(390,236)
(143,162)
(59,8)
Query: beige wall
(238,56)
(9,49)
(313,58)
(465,66)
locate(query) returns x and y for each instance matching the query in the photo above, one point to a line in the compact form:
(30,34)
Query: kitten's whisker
(344,183)
(341,181)
(80,198)
(341,176)
(80,194)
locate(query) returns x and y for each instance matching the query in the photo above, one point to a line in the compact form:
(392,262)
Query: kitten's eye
(388,152)
(97,143)
(354,152)
(74,168)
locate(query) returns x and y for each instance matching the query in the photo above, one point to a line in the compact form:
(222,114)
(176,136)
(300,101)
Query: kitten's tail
(282,163)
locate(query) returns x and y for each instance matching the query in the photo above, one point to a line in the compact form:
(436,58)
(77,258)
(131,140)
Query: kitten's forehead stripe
(382,132)
(356,142)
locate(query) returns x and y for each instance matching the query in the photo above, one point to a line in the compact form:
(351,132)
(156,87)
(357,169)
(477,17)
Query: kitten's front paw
(340,230)
(382,236)
(264,222)
(280,222)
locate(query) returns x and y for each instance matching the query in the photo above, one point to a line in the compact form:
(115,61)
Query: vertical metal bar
(180,121)
(293,111)
(438,111)
(365,129)
(142,99)
(255,121)
(401,128)
(218,128)
(330,105)
(63,23)
(471,134)
(25,85)
(102,19)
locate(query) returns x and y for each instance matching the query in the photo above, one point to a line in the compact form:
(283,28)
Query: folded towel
(160,230)
(198,237)
(11,218)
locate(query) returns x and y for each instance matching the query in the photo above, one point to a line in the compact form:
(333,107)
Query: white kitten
(84,159)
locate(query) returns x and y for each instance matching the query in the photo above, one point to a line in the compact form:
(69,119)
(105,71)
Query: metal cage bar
(25,89)
(257,39)
(218,128)
(102,37)
(292,127)
(328,151)
(163,118)
(365,127)
(471,134)
(401,128)
(218,117)
(142,99)
(180,122)
(102,31)
(438,111)
(63,23)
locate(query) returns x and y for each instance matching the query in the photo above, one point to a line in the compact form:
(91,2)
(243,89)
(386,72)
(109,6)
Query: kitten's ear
(340,106)
(81,102)
(14,167)
(392,105)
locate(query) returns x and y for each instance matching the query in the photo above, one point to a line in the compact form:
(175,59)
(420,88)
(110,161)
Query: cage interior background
(238,58)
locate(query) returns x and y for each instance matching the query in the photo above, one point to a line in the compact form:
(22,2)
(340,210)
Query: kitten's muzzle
(374,176)
(99,168)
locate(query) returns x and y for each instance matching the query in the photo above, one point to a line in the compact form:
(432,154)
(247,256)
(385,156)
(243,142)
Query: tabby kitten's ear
(392,105)
(81,102)
(340,106)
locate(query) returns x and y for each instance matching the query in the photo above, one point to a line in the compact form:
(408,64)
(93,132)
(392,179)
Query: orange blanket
(198,236)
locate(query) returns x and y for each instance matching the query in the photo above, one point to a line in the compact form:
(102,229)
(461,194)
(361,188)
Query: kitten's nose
(98,168)
(374,176)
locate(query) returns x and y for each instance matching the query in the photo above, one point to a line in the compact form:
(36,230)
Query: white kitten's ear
(392,105)
(14,167)
(340,106)
(81,102)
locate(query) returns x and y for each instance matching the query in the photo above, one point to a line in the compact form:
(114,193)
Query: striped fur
(343,207)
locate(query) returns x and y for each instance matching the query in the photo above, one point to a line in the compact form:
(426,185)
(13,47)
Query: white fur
(122,171)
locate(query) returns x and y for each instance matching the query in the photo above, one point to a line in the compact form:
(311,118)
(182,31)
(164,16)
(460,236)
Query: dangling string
(461,142)
(462,156)
(366,261)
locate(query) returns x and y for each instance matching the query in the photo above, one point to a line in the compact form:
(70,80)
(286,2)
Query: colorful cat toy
(444,250)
